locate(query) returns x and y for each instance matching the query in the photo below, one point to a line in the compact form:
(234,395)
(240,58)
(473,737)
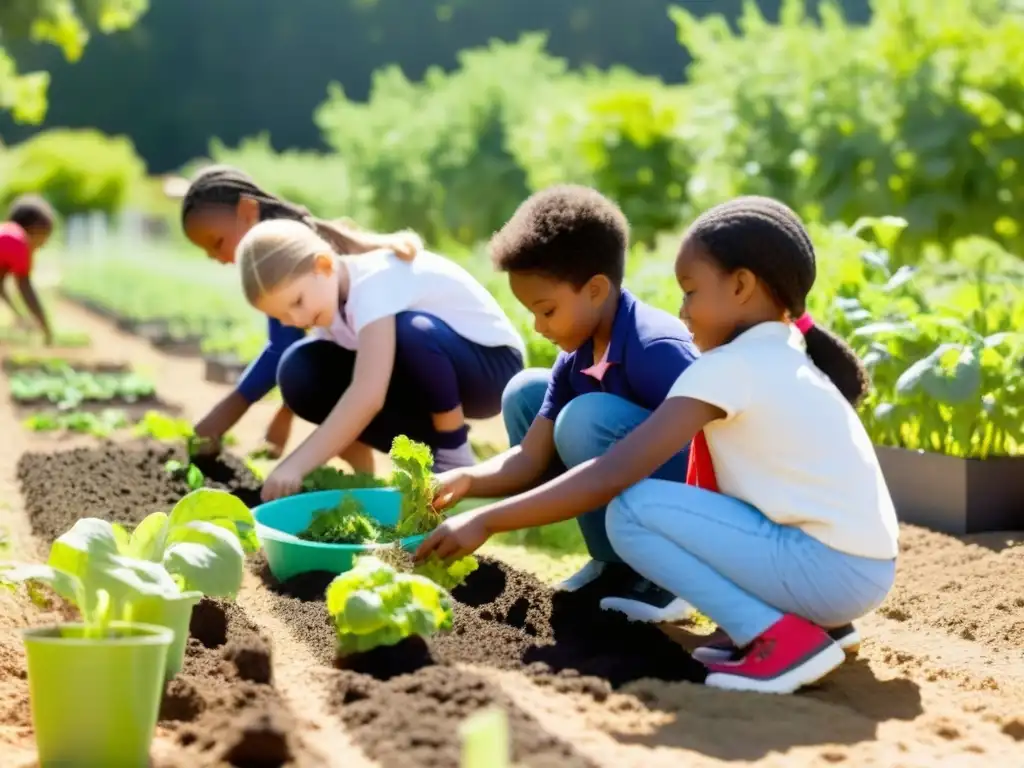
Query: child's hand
(283,481)
(456,537)
(452,487)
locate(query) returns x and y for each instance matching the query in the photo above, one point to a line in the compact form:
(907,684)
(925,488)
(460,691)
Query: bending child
(565,252)
(29,225)
(411,348)
(220,206)
(787,532)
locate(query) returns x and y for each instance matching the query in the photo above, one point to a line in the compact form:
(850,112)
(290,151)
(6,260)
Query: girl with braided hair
(222,204)
(785,531)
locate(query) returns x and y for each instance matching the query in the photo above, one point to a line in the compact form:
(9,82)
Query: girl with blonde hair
(222,204)
(399,347)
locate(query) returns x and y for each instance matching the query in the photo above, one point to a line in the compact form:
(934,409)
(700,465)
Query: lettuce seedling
(374,605)
(413,462)
(202,541)
(86,568)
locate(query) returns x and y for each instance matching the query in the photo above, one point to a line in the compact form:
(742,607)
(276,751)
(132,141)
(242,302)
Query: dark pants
(436,370)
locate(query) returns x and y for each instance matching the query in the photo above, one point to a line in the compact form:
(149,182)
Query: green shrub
(435,154)
(918,112)
(627,137)
(76,170)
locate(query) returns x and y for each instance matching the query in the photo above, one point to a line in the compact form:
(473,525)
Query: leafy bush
(76,170)
(435,154)
(917,112)
(627,137)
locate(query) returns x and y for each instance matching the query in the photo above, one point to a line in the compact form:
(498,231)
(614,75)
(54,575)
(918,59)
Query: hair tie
(804,323)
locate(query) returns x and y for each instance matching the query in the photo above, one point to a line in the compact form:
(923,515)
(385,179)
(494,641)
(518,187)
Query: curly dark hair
(768,238)
(568,232)
(32,212)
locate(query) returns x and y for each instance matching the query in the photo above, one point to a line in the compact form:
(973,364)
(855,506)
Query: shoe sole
(808,673)
(850,645)
(644,613)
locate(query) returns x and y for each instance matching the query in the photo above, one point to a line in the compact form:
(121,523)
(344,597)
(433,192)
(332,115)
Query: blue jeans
(736,566)
(585,429)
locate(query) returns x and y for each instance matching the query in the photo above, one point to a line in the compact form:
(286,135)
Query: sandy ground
(939,681)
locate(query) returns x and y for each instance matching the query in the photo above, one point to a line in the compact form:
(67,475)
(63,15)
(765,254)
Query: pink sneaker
(720,648)
(788,655)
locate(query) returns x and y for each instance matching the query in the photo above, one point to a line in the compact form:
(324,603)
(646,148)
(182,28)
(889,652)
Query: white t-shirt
(382,285)
(790,444)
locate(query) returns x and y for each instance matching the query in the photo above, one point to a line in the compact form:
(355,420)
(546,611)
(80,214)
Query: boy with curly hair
(565,251)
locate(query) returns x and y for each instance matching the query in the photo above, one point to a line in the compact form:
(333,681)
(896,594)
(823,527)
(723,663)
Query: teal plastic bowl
(278,522)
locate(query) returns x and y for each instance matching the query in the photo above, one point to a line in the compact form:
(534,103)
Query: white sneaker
(585,575)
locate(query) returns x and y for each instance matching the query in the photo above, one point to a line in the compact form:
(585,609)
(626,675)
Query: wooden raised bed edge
(954,495)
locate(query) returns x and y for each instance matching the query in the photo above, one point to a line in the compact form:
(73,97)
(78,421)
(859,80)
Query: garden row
(226,343)
(57,395)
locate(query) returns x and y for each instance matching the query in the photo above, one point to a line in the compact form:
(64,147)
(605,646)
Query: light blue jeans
(585,429)
(736,566)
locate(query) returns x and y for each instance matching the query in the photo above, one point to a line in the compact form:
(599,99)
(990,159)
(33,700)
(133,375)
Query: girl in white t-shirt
(409,347)
(785,532)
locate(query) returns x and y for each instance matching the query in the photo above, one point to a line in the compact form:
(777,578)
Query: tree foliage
(66,24)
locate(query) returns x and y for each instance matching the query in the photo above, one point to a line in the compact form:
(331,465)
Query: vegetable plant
(346,523)
(104,570)
(374,605)
(67,388)
(97,424)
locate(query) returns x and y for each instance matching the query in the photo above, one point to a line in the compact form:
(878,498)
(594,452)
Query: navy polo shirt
(648,350)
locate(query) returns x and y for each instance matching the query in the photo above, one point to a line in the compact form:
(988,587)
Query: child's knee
(586,427)
(526,387)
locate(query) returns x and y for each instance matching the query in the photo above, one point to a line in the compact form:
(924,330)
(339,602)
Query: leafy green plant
(327,478)
(67,388)
(100,424)
(413,462)
(374,605)
(345,523)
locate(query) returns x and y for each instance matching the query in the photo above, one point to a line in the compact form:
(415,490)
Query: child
(409,348)
(564,251)
(29,225)
(220,206)
(790,529)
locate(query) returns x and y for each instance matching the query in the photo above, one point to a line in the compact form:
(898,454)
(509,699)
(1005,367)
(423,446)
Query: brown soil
(118,483)
(507,619)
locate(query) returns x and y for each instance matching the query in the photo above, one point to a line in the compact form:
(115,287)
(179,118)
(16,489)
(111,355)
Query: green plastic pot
(95,700)
(175,614)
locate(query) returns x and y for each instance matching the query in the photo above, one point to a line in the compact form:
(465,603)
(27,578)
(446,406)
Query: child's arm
(587,486)
(510,472)
(259,378)
(364,398)
(28,295)
(6,298)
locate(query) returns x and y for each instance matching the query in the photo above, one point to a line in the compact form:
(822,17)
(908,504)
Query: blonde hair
(275,252)
(349,240)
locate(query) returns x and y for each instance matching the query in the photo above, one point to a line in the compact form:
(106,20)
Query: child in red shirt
(29,225)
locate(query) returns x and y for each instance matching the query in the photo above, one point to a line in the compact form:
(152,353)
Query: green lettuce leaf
(373,605)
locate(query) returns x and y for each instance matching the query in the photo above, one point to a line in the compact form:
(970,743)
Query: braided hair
(224,185)
(767,237)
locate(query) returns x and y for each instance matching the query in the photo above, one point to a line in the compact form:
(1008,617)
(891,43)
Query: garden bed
(75,387)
